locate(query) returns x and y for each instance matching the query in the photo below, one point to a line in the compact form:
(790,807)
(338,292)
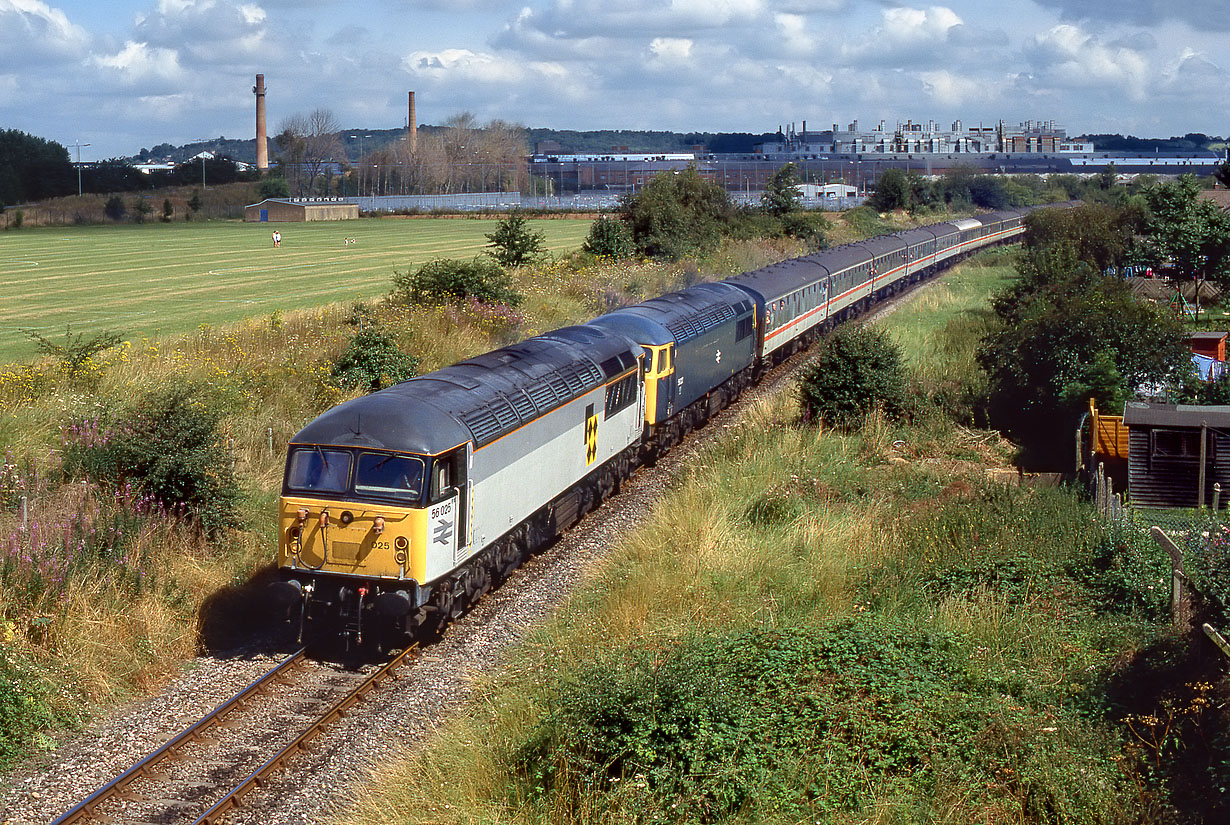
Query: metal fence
(580,202)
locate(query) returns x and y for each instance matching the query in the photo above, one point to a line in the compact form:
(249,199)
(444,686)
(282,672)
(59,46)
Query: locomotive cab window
(389,476)
(315,469)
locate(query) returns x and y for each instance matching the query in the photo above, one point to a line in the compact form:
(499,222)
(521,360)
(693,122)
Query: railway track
(201,774)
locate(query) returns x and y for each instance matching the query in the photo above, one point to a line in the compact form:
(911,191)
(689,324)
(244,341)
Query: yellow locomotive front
(352,532)
(373,526)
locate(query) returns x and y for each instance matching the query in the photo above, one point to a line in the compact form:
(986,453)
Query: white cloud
(906,35)
(1067,57)
(33,33)
(141,66)
(669,51)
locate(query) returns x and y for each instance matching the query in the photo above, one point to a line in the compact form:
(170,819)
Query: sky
(122,75)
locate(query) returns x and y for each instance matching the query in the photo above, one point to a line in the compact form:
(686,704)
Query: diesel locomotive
(400,508)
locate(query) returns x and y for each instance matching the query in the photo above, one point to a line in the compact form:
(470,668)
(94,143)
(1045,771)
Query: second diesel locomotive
(402,507)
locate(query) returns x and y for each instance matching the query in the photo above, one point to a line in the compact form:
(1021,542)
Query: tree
(1062,335)
(1186,235)
(781,193)
(609,238)
(677,213)
(306,143)
(168,210)
(898,189)
(273,186)
(515,244)
(115,208)
(856,369)
(33,168)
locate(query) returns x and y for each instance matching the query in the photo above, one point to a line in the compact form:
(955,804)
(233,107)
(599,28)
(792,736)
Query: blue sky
(127,74)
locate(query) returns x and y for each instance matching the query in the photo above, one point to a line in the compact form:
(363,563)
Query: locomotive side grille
(523,405)
(505,413)
(483,424)
(542,395)
(559,386)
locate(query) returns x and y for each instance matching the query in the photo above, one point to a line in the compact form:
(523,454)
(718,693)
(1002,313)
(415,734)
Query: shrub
(857,369)
(274,186)
(168,446)
(115,208)
(609,238)
(515,244)
(808,227)
(678,214)
(445,281)
(76,355)
(372,361)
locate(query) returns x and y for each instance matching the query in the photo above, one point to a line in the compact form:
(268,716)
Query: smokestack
(414,127)
(262,145)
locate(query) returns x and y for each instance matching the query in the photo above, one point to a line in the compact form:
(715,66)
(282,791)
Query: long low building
(298,210)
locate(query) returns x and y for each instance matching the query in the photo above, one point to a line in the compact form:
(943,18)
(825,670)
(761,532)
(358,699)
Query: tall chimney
(414,127)
(262,145)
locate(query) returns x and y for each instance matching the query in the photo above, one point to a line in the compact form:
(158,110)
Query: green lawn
(159,279)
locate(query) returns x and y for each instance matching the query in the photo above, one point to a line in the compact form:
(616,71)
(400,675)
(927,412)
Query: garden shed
(1176,453)
(301,209)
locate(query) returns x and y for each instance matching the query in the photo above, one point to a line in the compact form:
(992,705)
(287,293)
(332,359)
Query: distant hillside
(600,141)
(1191,142)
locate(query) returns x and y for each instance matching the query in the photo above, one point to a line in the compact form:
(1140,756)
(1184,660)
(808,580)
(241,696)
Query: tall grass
(812,626)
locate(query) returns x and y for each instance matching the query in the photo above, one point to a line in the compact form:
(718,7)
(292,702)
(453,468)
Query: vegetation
(445,281)
(857,369)
(514,243)
(372,361)
(609,238)
(676,215)
(868,631)
(32,168)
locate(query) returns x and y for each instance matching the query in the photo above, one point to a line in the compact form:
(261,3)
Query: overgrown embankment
(824,626)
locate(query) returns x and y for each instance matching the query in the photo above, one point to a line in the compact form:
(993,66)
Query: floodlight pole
(79,144)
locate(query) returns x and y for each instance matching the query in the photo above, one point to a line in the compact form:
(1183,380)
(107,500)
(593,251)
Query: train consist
(400,508)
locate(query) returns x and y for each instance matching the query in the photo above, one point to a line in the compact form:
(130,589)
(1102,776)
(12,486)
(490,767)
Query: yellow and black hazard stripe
(591,435)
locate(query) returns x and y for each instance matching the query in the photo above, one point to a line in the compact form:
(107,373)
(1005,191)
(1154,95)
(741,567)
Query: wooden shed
(301,209)
(1176,453)
(1209,344)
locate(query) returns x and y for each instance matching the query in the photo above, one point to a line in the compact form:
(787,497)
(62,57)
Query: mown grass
(817,626)
(167,279)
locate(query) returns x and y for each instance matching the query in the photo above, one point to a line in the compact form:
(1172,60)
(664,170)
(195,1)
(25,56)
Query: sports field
(164,279)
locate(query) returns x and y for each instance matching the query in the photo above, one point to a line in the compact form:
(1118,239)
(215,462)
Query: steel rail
(234,798)
(84,811)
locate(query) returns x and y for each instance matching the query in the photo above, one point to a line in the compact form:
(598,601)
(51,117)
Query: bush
(609,238)
(678,214)
(515,244)
(169,447)
(274,186)
(372,361)
(115,208)
(445,281)
(857,369)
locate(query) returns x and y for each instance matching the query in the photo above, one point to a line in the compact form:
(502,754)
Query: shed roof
(1143,414)
(1207,336)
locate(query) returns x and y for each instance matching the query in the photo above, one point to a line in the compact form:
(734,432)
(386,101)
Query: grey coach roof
(479,399)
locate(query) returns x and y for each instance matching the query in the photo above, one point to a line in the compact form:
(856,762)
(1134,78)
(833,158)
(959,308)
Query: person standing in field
(277,238)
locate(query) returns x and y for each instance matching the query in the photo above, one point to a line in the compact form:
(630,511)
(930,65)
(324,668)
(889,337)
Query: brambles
(445,281)
(372,361)
(169,446)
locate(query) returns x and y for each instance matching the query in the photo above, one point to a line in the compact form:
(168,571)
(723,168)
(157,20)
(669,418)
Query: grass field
(160,279)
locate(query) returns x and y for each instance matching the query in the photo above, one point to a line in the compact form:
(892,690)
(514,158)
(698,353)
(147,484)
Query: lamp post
(79,144)
(360,164)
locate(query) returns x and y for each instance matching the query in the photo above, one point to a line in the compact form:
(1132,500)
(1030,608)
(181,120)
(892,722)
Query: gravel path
(394,716)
